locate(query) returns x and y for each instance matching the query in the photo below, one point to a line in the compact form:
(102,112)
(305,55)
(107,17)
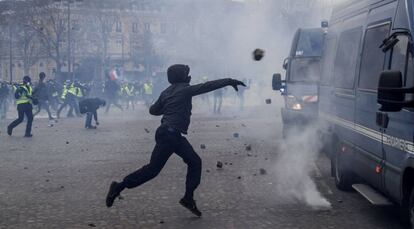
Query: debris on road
(248,148)
(202,146)
(207,171)
(219,165)
(91,225)
(239,177)
(263,172)
(236,135)
(268,101)
(146,130)
(67,142)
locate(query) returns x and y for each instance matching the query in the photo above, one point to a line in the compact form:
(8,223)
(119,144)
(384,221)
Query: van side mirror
(390,91)
(277,82)
(285,64)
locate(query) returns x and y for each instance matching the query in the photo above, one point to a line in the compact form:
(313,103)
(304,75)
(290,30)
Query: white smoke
(296,163)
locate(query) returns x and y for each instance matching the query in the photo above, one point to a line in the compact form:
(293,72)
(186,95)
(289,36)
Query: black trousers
(168,141)
(43,104)
(112,102)
(73,105)
(24,109)
(89,116)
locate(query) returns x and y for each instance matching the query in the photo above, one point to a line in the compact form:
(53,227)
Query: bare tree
(29,45)
(49,21)
(101,23)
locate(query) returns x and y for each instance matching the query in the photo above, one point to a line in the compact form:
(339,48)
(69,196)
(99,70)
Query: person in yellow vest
(148,92)
(24,102)
(129,95)
(68,96)
(78,90)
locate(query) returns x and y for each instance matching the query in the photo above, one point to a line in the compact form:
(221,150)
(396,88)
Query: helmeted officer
(24,102)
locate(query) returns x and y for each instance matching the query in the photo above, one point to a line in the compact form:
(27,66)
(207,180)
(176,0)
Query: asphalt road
(59,178)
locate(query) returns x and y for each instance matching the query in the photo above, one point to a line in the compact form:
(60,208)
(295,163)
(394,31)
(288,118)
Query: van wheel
(343,177)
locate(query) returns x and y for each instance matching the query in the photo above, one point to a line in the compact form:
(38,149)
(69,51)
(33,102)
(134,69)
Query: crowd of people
(55,97)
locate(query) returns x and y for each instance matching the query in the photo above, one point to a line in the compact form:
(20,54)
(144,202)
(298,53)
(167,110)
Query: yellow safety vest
(129,90)
(148,89)
(64,92)
(79,92)
(72,90)
(25,97)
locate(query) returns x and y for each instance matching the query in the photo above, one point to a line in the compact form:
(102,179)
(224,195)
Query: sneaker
(9,131)
(28,135)
(190,205)
(113,193)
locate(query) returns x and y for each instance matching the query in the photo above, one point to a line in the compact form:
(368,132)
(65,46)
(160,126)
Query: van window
(346,58)
(399,55)
(372,62)
(328,61)
(402,60)
(305,70)
(310,43)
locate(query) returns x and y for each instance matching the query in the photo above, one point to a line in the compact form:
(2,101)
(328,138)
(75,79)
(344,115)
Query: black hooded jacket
(90,105)
(174,102)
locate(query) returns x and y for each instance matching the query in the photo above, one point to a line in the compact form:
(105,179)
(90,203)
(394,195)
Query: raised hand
(236,83)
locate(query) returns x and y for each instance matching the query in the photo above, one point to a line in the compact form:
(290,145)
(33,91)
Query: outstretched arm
(209,86)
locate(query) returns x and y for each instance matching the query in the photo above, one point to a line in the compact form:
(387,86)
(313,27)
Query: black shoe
(113,193)
(9,131)
(190,205)
(28,135)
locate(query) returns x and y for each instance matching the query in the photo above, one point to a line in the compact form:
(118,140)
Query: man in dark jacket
(42,94)
(90,107)
(175,105)
(111,91)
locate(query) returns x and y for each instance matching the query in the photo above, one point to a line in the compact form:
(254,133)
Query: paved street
(59,178)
